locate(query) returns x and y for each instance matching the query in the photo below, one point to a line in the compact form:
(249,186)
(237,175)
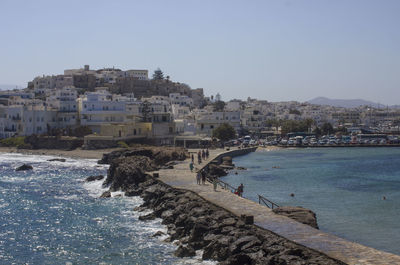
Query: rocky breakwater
(128,167)
(195,224)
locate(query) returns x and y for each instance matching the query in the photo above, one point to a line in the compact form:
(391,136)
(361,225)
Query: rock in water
(218,171)
(227,160)
(106,194)
(57,159)
(158,233)
(93,178)
(300,214)
(24,167)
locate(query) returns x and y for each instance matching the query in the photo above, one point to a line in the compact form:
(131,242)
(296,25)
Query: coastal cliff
(197,224)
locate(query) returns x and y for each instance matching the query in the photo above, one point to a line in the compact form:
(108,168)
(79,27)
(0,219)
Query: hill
(345,103)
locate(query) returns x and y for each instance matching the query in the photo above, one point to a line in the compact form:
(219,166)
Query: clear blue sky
(273,50)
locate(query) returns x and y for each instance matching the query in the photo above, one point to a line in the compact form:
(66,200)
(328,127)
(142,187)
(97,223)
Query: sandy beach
(77,153)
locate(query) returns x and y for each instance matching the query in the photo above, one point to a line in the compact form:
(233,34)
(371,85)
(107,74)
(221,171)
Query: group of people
(201,174)
(201,155)
(201,177)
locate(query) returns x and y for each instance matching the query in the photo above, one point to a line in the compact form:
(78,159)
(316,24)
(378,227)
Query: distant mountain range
(8,87)
(347,103)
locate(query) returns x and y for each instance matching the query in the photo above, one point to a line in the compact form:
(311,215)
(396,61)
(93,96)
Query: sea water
(345,187)
(49,215)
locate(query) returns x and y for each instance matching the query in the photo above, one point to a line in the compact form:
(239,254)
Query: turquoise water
(50,216)
(343,186)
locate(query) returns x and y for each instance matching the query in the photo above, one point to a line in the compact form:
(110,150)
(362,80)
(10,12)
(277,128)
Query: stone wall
(53,142)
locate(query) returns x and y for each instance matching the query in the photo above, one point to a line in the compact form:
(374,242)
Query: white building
(101,107)
(180,112)
(23,120)
(37,119)
(181,100)
(207,121)
(139,74)
(64,101)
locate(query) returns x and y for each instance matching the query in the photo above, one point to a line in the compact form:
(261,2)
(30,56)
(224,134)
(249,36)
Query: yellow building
(112,133)
(126,131)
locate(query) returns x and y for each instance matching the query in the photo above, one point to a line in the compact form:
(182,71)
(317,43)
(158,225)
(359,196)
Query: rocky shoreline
(196,224)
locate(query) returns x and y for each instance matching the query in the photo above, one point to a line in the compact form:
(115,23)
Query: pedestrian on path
(207,153)
(192,158)
(199,158)
(203,154)
(191,166)
(203,177)
(198,177)
(240,190)
(215,182)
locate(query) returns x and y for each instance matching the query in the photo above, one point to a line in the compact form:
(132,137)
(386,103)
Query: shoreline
(75,154)
(324,243)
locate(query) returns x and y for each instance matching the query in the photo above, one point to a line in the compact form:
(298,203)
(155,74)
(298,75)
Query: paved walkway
(333,246)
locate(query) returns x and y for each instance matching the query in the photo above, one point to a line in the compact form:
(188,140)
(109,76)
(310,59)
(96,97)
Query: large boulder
(127,172)
(185,251)
(106,194)
(24,167)
(109,157)
(244,243)
(300,214)
(159,155)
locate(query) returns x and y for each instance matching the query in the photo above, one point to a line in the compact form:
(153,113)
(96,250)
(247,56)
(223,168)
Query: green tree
(342,129)
(288,126)
(243,131)
(146,111)
(219,105)
(294,111)
(317,131)
(327,128)
(224,132)
(158,74)
(81,131)
(309,122)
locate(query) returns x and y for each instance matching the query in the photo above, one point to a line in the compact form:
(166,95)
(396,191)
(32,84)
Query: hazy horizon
(272,50)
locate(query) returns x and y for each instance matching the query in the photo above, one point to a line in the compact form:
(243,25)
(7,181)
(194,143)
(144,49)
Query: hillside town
(110,105)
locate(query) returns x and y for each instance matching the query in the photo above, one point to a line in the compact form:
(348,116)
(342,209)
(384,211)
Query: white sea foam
(42,161)
(117,194)
(94,188)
